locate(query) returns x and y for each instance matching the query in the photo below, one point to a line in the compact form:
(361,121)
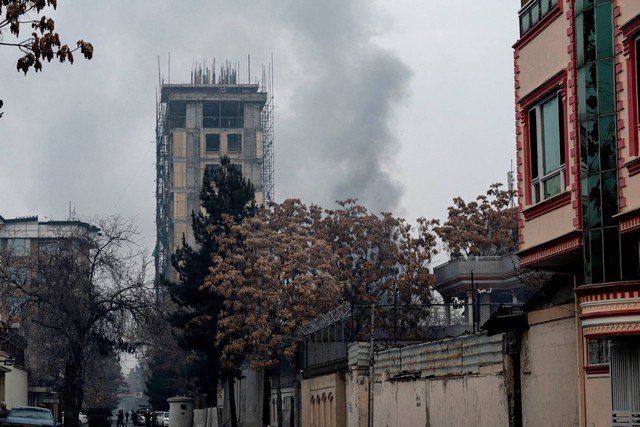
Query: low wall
(432,384)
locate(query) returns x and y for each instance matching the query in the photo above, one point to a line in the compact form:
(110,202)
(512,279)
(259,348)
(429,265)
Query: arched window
(330,410)
(318,413)
(312,411)
(325,420)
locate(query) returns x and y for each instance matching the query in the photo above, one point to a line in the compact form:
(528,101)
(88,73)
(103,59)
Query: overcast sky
(401,104)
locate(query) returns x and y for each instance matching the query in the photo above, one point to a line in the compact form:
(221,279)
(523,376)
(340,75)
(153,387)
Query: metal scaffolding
(205,87)
(267,117)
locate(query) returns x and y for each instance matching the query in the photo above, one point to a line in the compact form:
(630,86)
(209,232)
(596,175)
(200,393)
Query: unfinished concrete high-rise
(196,124)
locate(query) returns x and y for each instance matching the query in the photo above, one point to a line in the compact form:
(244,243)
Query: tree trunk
(276,375)
(232,401)
(72,391)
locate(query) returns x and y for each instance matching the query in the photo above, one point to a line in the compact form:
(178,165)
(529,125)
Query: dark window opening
(213,142)
(222,115)
(234,142)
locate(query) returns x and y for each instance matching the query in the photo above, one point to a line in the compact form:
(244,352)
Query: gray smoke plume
(337,143)
(84,132)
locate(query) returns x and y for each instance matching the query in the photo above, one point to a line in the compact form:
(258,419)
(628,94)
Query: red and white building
(576,66)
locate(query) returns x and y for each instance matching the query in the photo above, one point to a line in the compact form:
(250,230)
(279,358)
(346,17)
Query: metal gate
(624,371)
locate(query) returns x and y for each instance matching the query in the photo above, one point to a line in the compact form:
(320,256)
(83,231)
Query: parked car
(29,416)
(99,417)
(141,418)
(165,419)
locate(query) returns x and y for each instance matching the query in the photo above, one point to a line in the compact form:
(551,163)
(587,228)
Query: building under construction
(196,124)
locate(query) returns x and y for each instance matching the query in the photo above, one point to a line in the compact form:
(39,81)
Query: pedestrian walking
(120,418)
(126,418)
(3,410)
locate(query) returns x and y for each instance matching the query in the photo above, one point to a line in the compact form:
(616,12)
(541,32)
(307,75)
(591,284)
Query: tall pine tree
(224,192)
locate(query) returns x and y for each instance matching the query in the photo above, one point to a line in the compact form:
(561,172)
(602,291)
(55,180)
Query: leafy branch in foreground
(44,42)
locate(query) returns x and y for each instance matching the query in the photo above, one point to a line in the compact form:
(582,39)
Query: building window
(19,247)
(47,247)
(597,352)
(533,12)
(546,138)
(211,171)
(234,142)
(634,147)
(212,141)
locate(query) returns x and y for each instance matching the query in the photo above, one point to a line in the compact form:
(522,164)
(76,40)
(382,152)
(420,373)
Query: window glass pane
(606,92)
(234,142)
(582,106)
(591,89)
(597,274)
(638,77)
(536,193)
(609,197)
(586,237)
(533,138)
(595,207)
(544,7)
(589,26)
(535,13)
(593,146)
(550,136)
(608,148)
(597,352)
(213,142)
(604,35)
(553,186)
(579,46)
(47,247)
(19,247)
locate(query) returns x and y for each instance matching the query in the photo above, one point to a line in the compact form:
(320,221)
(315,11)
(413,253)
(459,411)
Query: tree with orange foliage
(487,226)
(275,276)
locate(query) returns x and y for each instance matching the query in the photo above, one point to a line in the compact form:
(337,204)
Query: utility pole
(371,353)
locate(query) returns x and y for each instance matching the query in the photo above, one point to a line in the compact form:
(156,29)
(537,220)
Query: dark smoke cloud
(338,135)
(83,133)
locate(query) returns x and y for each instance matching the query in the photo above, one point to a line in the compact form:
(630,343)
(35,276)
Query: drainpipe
(582,410)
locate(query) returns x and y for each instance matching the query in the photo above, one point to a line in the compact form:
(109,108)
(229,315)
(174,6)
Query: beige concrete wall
(453,382)
(633,197)
(468,401)
(332,412)
(356,397)
(547,227)
(401,404)
(544,56)
(16,387)
(463,401)
(179,144)
(628,10)
(598,400)
(549,369)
